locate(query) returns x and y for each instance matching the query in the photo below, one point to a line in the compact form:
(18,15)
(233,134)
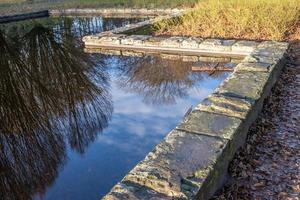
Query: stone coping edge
(219,47)
(192,161)
(116,11)
(25,16)
(184,57)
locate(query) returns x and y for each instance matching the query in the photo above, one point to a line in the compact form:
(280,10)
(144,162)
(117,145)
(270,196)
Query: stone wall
(192,161)
(116,11)
(215,47)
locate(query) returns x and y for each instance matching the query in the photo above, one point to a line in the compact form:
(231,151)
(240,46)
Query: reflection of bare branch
(71,74)
(29,163)
(48,88)
(160,81)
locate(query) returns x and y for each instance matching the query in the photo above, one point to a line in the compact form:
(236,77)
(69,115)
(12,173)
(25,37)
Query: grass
(239,19)
(11,1)
(19,6)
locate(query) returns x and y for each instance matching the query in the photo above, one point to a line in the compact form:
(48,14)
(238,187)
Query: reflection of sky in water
(140,118)
(135,128)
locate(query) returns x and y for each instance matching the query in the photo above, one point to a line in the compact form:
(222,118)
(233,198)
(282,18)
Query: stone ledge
(192,161)
(183,44)
(116,11)
(184,57)
(176,168)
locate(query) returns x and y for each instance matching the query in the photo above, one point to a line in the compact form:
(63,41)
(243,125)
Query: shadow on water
(50,90)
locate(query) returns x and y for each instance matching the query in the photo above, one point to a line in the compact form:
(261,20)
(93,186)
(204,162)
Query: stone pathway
(268,166)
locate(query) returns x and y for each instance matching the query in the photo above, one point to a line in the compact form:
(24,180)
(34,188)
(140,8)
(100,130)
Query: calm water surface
(73,124)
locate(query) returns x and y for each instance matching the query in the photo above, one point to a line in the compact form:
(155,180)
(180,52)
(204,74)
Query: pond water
(73,124)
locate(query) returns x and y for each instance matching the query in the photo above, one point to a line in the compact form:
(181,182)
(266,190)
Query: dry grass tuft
(240,19)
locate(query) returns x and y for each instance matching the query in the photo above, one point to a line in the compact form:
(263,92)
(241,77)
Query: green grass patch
(240,19)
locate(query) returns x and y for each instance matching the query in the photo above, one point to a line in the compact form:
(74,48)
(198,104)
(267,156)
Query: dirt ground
(268,166)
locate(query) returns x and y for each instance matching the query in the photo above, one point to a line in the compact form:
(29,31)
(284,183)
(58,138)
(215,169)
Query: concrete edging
(192,161)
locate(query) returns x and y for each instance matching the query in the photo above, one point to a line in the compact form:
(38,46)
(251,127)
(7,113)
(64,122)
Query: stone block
(244,46)
(245,85)
(273,44)
(110,40)
(153,41)
(127,40)
(217,45)
(224,105)
(254,67)
(170,56)
(172,42)
(127,190)
(214,59)
(179,165)
(136,40)
(190,58)
(211,124)
(258,58)
(132,54)
(191,43)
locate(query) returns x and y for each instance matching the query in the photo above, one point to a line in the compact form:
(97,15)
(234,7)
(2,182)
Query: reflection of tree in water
(75,26)
(160,81)
(49,89)
(29,163)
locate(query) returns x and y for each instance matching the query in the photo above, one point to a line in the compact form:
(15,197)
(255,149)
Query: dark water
(73,124)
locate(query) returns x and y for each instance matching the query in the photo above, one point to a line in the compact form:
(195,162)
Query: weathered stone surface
(102,51)
(179,165)
(191,43)
(117,12)
(224,105)
(136,40)
(245,85)
(127,40)
(217,45)
(260,59)
(127,190)
(210,124)
(244,46)
(273,44)
(254,67)
(170,56)
(132,54)
(153,41)
(214,59)
(190,58)
(269,52)
(172,42)
(236,60)
(112,39)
